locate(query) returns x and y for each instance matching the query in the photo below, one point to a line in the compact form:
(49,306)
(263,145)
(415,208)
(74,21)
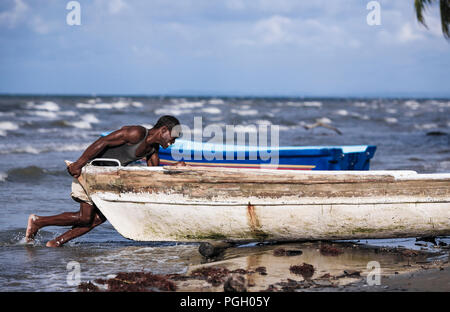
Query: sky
(222,47)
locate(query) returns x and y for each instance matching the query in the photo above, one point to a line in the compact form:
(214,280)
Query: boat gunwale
(371,175)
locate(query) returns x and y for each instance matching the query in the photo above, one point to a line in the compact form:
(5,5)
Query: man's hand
(74,169)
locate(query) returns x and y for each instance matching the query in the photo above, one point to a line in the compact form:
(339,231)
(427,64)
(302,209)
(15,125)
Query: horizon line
(399,95)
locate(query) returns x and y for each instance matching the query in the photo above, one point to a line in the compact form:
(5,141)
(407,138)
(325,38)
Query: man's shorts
(78,192)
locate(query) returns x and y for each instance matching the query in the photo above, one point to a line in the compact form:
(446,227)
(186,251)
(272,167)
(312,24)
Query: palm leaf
(445,17)
(421,5)
(420,9)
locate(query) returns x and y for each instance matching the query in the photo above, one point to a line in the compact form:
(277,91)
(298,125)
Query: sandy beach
(309,266)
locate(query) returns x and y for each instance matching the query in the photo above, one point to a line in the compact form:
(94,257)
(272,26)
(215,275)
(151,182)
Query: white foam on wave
(324,120)
(414,105)
(172,111)
(312,104)
(29,149)
(73,147)
(3,176)
(245,112)
(438,103)
(81,124)
(189,105)
(426,126)
(360,104)
(47,105)
(67,113)
(7,114)
(85,122)
(137,104)
(341,112)
(359,116)
(211,110)
(90,118)
(305,104)
(52,114)
(391,120)
(7,126)
(263,122)
(45,114)
(114,105)
(391,111)
(216,102)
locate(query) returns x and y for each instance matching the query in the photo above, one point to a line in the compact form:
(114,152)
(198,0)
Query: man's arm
(127,134)
(153,160)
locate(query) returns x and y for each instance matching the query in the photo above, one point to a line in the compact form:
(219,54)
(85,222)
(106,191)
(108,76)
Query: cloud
(278,30)
(116,6)
(39,25)
(12,17)
(407,33)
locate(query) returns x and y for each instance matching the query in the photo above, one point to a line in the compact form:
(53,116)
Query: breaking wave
(47,105)
(121,104)
(7,126)
(32,173)
(3,176)
(29,149)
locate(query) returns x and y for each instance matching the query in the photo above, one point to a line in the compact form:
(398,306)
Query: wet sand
(425,279)
(309,266)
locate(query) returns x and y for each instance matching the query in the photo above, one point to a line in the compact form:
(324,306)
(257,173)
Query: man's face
(168,137)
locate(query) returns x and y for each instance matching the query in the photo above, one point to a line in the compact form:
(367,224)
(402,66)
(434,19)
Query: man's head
(169,129)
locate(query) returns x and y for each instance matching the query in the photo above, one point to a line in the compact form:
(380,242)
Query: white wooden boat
(200,204)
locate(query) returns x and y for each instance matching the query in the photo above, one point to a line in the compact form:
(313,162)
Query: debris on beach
(328,250)
(88,287)
(261,270)
(132,282)
(235,283)
(409,253)
(350,273)
(279,252)
(213,275)
(306,270)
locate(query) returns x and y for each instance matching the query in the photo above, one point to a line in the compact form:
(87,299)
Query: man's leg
(83,217)
(77,231)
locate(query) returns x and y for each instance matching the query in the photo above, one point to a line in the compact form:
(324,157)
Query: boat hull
(198,204)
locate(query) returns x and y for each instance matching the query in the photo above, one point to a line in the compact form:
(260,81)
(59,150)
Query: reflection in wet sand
(348,266)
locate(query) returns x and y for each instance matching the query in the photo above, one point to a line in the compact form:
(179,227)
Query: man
(127,144)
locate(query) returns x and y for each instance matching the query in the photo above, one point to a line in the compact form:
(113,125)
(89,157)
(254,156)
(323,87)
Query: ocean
(37,133)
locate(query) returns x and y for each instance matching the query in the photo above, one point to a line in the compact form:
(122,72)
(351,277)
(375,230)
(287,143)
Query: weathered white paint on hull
(176,213)
(161,222)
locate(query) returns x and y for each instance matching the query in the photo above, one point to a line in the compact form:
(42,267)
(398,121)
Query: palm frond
(420,6)
(445,17)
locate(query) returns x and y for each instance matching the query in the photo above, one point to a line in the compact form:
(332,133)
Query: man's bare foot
(53,243)
(32,228)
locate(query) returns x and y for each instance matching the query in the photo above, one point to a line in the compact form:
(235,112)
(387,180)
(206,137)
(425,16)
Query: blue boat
(355,157)
(351,157)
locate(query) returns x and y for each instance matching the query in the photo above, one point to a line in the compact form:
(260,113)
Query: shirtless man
(127,144)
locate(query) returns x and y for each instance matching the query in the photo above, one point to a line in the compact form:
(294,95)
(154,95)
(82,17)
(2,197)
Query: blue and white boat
(354,157)
(347,157)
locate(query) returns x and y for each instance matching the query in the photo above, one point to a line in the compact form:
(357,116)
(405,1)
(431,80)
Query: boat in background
(351,157)
(356,157)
